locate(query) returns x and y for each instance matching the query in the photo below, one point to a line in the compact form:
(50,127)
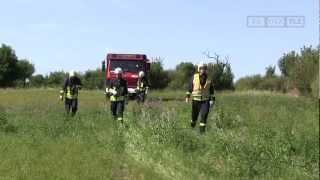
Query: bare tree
(216,57)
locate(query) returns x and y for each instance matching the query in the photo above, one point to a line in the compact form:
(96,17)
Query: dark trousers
(117,108)
(71,105)
(141,96)
(202,108)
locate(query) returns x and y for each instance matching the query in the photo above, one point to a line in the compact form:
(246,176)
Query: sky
(77,34)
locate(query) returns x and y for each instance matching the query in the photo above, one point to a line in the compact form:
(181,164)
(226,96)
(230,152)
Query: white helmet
(118,70)
(202,65)
(141,74)
(71,73)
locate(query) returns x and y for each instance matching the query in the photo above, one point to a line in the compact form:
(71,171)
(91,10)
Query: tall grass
(249,136)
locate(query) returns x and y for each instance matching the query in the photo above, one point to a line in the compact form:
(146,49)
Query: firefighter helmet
(71,73)
(118,70)
(141,74)
(202,65)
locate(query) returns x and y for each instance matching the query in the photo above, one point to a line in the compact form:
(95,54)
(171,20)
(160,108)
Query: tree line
(299,72)
(15,72)
(179,77)
(159,78)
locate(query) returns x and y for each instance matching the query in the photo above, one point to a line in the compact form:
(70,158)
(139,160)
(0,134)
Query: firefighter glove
(211,103)
(113,92)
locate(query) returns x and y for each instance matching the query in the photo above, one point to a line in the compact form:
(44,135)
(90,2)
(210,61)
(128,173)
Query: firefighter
(70,91)
(142,87)
(202,93)
(117,89)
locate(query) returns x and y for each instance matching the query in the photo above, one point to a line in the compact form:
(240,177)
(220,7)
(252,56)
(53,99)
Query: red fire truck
(131,65)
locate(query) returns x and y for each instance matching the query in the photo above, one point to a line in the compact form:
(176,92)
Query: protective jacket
(142,84)
(71,87)
(118,89)
(201,88)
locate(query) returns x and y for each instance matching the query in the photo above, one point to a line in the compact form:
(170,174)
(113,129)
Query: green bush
(38,80)
(158,77)
(300,68)
(298,71)
(249,83)
(180,77)
(93,79)
(221,75)
(56,79)
(13,69)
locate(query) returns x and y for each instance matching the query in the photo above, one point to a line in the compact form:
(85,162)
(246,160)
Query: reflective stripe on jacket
(119,86)
(200,93)
(119,94)
(70,94)
(141,86)
(115,98)
(71,87)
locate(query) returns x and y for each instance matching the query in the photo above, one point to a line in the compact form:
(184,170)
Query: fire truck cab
(131,64)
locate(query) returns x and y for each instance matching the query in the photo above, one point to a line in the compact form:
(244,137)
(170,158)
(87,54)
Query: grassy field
(250,135)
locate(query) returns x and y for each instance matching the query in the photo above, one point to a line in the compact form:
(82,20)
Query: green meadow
(250,135)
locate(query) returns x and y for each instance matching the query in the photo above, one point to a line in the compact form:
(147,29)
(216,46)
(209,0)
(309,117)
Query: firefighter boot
(202,128)
(120,119)
(193,124)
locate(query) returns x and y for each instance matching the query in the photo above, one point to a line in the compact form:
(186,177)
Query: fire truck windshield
(127,65)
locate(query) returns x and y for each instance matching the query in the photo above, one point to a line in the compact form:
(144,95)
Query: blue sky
(77,34)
